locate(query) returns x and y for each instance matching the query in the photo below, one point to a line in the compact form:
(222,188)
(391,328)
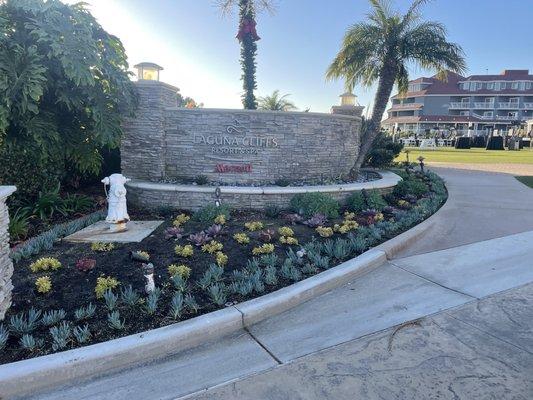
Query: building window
(490,85)
(528,85)
(488,114)
(464,113)
(514,85)
(503,85)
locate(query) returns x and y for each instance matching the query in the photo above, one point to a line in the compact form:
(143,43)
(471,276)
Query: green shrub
(364,200)
(19,224)
(309,204)
(383,152)
(208,213)
(412,186)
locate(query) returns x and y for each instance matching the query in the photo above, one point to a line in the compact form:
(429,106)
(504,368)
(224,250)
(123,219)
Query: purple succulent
(214,230)
(316,220)
(174,232)
(411,198)
(199,239)
(293,218)
(389,211)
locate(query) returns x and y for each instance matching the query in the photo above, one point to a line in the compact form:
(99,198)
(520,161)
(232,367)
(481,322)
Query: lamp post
(348,106)
(148,71)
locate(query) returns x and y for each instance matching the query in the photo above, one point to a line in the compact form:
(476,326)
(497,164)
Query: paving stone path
(450,318)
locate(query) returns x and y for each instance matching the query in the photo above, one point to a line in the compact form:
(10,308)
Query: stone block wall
(166,143)
(6,266)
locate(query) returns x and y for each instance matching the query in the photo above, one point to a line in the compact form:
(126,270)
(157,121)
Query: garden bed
(367,220)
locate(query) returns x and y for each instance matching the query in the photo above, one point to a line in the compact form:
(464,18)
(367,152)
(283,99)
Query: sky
(198,50)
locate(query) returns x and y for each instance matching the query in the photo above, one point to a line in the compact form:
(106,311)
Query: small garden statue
(117,212)
(148,272)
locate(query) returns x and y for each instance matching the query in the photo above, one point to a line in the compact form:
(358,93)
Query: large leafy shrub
(312,203)
(383,151)
(366,199)
(64,88)
(411,185)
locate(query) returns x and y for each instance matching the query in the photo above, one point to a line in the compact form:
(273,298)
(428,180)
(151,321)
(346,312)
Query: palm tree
(276,102)
(380,48)
(248,37)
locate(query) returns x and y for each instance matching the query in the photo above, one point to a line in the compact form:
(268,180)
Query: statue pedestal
(100,231)
(118,227)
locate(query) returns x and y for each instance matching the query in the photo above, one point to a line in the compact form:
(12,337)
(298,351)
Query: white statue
(117,212)
(148,272)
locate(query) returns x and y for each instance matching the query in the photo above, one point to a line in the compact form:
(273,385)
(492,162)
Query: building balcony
(459,105)
(511,105)
(506,118)
(484,105)
(528,106)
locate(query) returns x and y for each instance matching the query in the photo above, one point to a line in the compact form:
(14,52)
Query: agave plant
(199,239)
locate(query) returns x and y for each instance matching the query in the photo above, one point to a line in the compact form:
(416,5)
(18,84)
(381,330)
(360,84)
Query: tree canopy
(276,102)
(382,47)
(64,84)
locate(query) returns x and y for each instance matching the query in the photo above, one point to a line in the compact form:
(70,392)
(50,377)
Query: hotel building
(478,102)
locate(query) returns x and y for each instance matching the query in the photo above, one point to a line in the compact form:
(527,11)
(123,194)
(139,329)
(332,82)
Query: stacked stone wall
(6,265)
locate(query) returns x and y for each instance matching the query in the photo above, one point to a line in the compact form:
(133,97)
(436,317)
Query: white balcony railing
(509,105)
(506,117)
(484,105)
(460,104)
(488,117)
(529,106)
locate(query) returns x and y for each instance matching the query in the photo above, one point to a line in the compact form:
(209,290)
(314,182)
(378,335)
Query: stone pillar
(6,266)
(355,111)
(143,141)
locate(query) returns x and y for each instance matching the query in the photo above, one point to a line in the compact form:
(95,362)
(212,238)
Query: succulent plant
(199,239)
(267,235)
(214,230)
(85,264)
(85,312)
(316,220)
(174,232)
(293,218)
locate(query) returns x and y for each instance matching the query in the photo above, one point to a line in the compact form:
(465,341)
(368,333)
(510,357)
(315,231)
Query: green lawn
(478,156)
(526,180)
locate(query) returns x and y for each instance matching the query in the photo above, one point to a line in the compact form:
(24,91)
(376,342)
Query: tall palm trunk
(248,54)
(370,129)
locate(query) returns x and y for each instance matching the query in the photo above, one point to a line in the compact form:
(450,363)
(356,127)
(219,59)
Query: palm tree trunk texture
(370,130)
(248,54)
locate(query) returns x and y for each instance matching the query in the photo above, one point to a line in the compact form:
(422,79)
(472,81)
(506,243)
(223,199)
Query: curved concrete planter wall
(30,376)
(190,197)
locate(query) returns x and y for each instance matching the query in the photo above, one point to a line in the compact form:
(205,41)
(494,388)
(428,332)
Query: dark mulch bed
(72,288)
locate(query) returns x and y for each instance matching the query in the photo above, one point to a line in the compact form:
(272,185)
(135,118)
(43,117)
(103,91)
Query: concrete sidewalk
(360,341)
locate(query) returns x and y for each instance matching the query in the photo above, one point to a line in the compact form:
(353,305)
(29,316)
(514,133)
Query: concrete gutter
(30,376)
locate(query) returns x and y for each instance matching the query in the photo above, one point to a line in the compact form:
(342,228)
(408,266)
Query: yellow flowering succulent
(184,251)
(324,231)
(253,226)
(181,270)
(266,248)
(220,219)
(180,220)
(241,238)
(43,284)
(288,240)
(104,283)
(285,231)
(45,264)
(379,217)
(351,224)
(221,259)
(102,247)
(348,216)
(212,247)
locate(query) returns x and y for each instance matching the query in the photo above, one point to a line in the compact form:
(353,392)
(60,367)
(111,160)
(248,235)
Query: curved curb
(30,376)
(388,179)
